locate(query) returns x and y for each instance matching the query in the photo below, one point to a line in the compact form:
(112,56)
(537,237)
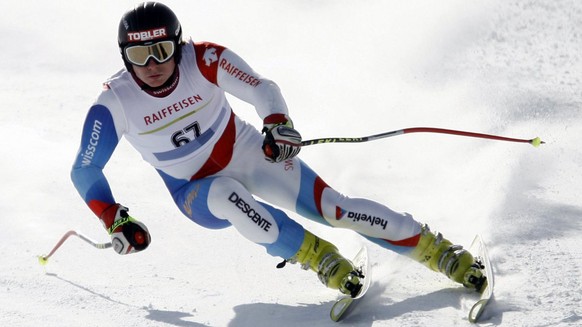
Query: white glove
(281,141)
(127,234)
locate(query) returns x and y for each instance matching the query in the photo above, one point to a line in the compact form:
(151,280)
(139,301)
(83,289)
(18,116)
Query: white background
(346,68)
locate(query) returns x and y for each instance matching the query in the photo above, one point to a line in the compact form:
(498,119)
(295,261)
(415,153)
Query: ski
(345,303)
(479,249)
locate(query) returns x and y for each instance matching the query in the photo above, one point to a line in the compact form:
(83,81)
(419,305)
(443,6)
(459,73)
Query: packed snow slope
(346,68)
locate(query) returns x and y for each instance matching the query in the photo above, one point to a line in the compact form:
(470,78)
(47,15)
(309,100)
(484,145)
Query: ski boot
(333,270)
(439,254)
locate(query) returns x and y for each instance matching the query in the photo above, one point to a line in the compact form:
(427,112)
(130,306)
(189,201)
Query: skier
(169,102)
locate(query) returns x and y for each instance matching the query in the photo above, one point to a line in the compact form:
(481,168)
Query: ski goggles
(140,54)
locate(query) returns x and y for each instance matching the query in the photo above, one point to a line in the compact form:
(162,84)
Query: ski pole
(535,141)
(43,259)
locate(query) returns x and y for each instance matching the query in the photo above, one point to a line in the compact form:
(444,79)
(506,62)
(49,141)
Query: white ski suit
(212,161)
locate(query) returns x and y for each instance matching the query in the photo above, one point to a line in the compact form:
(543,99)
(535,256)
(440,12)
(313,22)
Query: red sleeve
(207,55)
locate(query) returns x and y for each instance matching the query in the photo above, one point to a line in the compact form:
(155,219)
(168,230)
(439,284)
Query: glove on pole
(128,235)
(281,141)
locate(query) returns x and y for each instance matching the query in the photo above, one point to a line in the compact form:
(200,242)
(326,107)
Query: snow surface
(347,68)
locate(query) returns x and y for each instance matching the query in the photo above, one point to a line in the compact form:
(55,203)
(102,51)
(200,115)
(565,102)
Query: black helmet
(147,23)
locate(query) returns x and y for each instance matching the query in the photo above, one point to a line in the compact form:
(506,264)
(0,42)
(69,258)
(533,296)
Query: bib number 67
(186,135)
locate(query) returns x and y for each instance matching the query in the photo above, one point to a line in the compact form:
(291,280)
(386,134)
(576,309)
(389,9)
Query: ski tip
(477,310)
(536,142)
(339,308)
